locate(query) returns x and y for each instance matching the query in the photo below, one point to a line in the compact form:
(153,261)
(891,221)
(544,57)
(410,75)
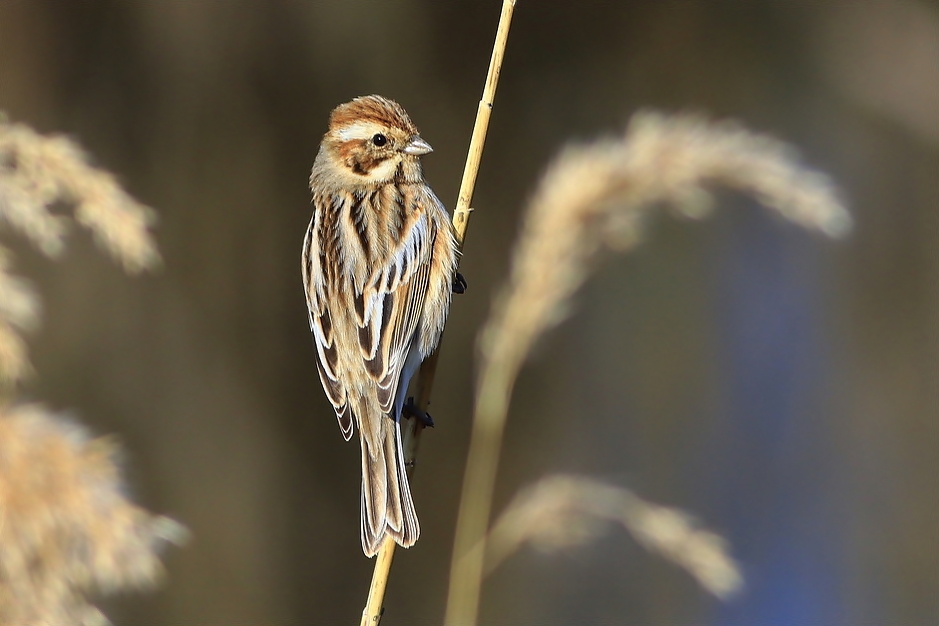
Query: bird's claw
(410,410)
(459,283)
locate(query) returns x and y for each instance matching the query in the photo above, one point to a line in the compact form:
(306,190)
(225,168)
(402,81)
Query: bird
(379,265)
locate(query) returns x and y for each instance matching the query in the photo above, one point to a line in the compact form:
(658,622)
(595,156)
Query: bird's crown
(371,109)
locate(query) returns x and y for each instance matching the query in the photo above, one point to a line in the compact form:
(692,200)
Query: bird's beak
(417,146)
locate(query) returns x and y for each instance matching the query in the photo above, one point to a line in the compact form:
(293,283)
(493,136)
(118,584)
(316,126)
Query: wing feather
(398,289)
(387,305)
(327,358)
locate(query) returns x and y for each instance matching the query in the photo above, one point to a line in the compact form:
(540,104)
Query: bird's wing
(387,309)
(391,303)
(316,275)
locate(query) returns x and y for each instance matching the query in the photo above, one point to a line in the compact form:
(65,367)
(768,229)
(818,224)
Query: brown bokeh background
(783,387)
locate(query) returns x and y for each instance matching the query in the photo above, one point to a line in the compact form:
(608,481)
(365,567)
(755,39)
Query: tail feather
(393,513)
(374,489)
(387,507)
(410,529)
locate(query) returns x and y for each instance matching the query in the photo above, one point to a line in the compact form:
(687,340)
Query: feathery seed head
(36,174)
(66,527)
(563,511)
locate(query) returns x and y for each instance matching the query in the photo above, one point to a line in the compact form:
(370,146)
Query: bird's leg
(459,283)
(410,410)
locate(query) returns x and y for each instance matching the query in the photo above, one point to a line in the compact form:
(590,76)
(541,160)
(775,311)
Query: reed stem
(411,429)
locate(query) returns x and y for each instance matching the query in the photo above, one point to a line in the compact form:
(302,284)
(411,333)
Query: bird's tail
(387,507)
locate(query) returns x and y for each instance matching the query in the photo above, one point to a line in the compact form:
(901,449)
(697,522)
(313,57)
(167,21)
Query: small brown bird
(379,265)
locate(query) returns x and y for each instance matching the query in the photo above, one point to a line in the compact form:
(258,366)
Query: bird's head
(372,141)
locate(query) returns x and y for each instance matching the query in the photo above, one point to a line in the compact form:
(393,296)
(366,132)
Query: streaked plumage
(378,263)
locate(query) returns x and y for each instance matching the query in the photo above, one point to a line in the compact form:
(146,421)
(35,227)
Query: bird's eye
(379,140)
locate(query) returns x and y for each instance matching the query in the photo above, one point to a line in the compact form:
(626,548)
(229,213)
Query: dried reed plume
(595,197)
(37,174)
(565,511)
(66,527)
(19,310)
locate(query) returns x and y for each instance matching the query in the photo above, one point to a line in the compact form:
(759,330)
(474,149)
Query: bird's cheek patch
(351,150)
(383,169)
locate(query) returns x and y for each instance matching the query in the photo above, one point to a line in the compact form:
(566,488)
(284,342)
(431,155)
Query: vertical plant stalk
(411,429)
(469,546)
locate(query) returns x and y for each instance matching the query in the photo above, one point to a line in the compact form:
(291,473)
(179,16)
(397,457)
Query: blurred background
(782,387)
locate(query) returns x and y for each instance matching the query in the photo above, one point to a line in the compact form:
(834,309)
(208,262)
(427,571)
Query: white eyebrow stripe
(358,130)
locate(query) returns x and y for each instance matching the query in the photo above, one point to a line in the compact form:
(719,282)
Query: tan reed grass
(37,175)
(596,197)
(564,511)
(66,527)
(19,311)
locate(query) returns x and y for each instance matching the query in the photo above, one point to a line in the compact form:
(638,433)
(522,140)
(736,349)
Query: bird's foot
(459,283)
(410,410)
